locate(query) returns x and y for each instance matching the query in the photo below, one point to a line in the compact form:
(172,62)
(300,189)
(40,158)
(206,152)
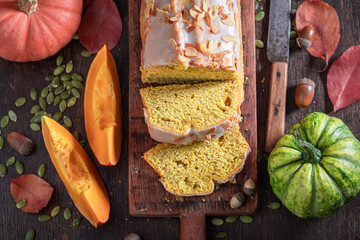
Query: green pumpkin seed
(42,103)
(57,100)
(261,8)
(67,214)
(65,77)
(49,77)
(76,135)
(259,43)
(12,116)
(256,5)
(41,171)
(19,167)
(49,115)
(44,218)
(40,113)
(10,161)
(50,98)
(246,219)
(76,36)
(77,221)
(67,121)
(85,53)
(77,84)
(57,116)
(293,11)
(30,235)
(69,67)
(62,106)
(50,87)
(59,60)
(221,235)
(71,102)
(3,170)
(35,127)
(293,22)
(55,211)
(56,82)
(59,70)
(64,95)
(259,16)
(2,142)
(231,219)
(217,221)
(35,109)
(77,77)
(21,203)
(33,94)
(69,88)
(75,93)
(293,34)
(292,43)
(59,89)
(20,101)
(274,205)
(44,92)
(82,143)
(4,121)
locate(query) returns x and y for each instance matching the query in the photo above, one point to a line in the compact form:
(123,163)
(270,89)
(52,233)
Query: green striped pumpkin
(315,168)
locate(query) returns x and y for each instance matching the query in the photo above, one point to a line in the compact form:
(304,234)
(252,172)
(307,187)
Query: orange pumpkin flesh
(77,172)
(33,30)
(102,107)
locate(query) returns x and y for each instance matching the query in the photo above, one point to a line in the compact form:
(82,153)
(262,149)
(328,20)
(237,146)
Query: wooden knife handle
(277,105)
(192,227)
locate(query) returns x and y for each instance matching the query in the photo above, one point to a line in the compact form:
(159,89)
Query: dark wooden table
(16,80)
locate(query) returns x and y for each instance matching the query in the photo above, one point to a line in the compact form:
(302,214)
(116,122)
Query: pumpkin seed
(59,60)
(2,142)
(69,87)
(12,116)
(62,106)
(49,115)
(292,43)
(35,127)
(231,219)
(57,116)
(33,94)
(20,101)
(77,221)
(259,43)
(10,161)
(261,8)
(85,53)
(42,103)
(41,171)
(44,92)
(30,235)
(35,109)
(221,235)
(40,113)
(77,76)
(4,121)
(77,84)
(44,218)
(75,93)
(82,143)
(50,98)
(50,87)
(56,82)
(67,121)
(55,211)
(3,170)
(274,205)
(19,167)
(64,95)
(293,34)
(21,203)
(259,16)
(293,22)
(256,5)
(67,214)
(59,89)
(217,221)
(59,70)
(65,77)
(69,67)
(71,102)
(76,135)
(57,100)
(49,77)
(246,219)
(293,11)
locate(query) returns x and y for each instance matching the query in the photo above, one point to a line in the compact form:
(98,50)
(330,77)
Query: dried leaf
(325,21)
(35,190)
(343,79)
(101,25)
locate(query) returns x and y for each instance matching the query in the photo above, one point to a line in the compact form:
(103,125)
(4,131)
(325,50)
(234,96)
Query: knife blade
(278,53)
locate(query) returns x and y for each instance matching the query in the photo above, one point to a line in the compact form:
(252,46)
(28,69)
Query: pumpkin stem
(310,154)
(28,6)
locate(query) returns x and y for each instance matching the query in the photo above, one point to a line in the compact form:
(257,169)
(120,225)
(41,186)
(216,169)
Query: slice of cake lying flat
(190,170)
(191,40)
(183,114)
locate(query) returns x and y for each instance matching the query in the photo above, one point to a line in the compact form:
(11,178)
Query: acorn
(304,92)
(306,37)
(237,200)
(249,187)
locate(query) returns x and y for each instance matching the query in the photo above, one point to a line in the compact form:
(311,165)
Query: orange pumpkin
(31,30)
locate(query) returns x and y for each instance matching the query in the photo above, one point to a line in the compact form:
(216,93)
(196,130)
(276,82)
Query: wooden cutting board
(147,196)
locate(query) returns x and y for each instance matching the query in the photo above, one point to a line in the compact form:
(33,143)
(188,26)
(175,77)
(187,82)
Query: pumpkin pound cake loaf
(183,114)
(190,170)
(191,40)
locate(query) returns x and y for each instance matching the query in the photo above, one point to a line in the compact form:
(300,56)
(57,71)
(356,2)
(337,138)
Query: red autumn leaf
(343,79)
(101,25)
(87,3)
(36,191)
(325,21)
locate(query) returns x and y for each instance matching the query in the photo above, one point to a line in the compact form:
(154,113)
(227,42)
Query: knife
(278,54)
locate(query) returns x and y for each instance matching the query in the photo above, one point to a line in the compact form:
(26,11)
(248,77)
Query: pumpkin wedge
(102,108)
(77,172)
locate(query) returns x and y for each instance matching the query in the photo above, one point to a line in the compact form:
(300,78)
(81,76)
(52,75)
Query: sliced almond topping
(193,45)
(166,7)
(159,19)
(220,10)
(191,52)
(229,20)
(236,63)
(196,8)
(229,38)
(214,30)
(177,17)
(191,28)
(186,14)
(194,13)
(214,11)
(219,56)
(198,62)
(219,44)
(205,5)
(230,4)
(161,11)
(225,62)
(208,19)
(203,48)
(166,19)
(200,17)
(236,46)
(173,43)
(153,12)
(213,47)
(183,59)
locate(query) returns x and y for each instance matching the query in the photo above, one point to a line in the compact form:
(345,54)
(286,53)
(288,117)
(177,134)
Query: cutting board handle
(192,227)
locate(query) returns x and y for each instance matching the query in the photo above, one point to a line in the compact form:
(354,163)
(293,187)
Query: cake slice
(183,114)
(191,40)
(190,170)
